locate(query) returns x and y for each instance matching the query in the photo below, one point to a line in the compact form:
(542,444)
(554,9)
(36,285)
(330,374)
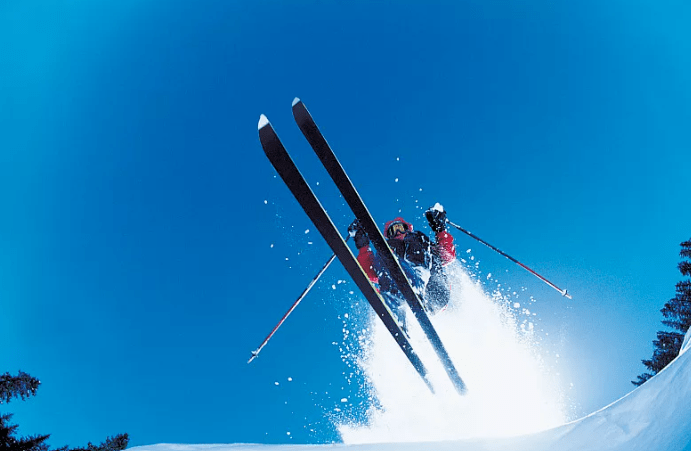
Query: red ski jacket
(414,247)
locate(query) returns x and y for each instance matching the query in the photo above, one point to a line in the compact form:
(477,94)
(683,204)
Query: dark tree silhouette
(24,386)
(677,314)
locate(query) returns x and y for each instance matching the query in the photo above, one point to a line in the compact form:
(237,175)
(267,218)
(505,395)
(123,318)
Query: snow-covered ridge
(655,416)
(687,342)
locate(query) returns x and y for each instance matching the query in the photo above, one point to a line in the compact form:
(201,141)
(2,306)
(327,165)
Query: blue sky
(137,269)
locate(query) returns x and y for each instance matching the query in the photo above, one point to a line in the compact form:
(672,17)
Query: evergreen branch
(641,379)
(685,249)
(9,443)
(21,386)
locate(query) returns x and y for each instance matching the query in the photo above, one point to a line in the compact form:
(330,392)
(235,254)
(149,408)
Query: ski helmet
(397,227)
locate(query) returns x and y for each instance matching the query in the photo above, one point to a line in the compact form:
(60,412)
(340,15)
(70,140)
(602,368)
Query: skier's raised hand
(436,216)
(358,234)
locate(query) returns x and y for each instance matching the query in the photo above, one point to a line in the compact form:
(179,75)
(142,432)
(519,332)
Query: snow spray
(510,390)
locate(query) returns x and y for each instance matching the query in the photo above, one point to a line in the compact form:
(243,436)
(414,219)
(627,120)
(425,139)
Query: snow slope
(655,416)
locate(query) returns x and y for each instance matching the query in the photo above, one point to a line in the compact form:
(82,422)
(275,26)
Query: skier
(422,261)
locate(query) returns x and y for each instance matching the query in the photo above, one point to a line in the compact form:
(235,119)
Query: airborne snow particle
(396,180)
(344,399)
(290,379)
(266,202)
(307,231)
(333,287)
(516,305)
(276,383)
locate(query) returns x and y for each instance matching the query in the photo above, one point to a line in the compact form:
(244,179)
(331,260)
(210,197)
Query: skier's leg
(437,293)
(395,304)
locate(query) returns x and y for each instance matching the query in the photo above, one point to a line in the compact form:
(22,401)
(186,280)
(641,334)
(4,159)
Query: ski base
(286,168)
(328,158)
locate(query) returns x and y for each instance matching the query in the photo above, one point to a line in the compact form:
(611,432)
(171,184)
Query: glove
(356,232)
(436,216)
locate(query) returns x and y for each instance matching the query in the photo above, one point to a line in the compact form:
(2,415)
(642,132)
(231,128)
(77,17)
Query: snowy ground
(655,416)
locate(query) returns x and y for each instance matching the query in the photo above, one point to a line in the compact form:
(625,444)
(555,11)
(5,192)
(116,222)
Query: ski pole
(256,352)
(563,292)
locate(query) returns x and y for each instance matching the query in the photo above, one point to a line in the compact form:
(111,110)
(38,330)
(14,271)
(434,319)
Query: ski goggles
(395,229)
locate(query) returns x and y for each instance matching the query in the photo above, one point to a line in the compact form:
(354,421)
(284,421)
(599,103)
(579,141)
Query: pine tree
(24,386)
(677,311)
(677,314)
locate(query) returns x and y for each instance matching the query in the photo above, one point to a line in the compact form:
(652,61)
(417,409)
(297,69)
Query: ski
(328,158)
(286,168)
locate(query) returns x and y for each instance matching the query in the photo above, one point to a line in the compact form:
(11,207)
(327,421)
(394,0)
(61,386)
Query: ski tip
(263,122)
(296,100)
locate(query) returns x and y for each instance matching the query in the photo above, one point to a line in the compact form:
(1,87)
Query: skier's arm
(365,255)
(447,250)
(436,216)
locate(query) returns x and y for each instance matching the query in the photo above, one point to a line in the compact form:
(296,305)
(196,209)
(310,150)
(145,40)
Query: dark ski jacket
(416,249)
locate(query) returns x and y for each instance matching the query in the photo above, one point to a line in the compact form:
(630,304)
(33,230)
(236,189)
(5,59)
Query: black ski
(333,166)
(292,177)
